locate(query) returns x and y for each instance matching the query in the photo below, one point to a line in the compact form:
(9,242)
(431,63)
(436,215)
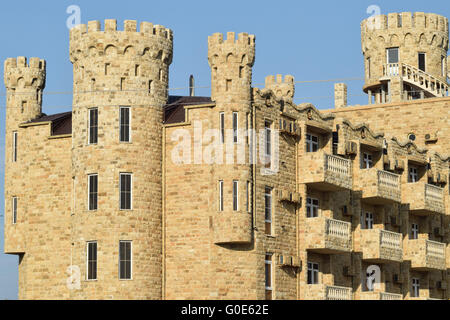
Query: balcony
(423,199)
(324,292)
(328,236)
(380,187)
(426,255)
(232,228)
(326,172)
(380,296)
(381,246)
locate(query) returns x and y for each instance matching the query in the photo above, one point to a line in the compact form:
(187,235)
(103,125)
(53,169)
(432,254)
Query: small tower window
(14,147)
(137,70)
(150,87)
(160,74)
(443,63)
(235,127)
(228,85)
(268,210)
(220,195)
(92,260)
(269,275)
(222,127)
(235,195)
(93,191)
(107,66)
(125,191)
(124,120)
(125,260)
(14,210)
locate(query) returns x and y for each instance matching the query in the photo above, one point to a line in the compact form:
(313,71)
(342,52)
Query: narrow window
(443,63)
(235,195)
(414,231)
(107,65)
(269,276)
(368,68)
(312,143)
(235,127)
(137,70)
(422,61)
(125,191)
(367,161)
(124,124)
(228,85)
(150,87)
(93,191)
(122,84)
(313,273)
(249,196)
(14,210)
(415,287)
(268,144)
(222,127)
(268,210)
(91,260)
(221,196)
(93,126)
(413,175)
(14,156)
(160,74)
(125,263)
(312,208)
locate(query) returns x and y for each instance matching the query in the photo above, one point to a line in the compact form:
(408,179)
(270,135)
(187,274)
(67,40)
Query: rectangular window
(443,64)
(312,208)
(268,144)
(392,55)
(312,143)
(125,191)
(367,161)
(91,260)
(14,210)
(235,195)
(413,175)
(269,276)
(235,127)
(14,147)
(313,273)
(249,196)
(422,61)
(93,191)
(222,127)
(414,231)
(268,210)
(221,195)
(125,124)
(415,287)
(368,68)
(93,126)
(367,222)
(125,260)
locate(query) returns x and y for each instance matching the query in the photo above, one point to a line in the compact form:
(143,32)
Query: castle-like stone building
(119,198)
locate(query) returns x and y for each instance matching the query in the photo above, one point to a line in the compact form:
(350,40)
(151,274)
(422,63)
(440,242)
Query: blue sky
(312,40)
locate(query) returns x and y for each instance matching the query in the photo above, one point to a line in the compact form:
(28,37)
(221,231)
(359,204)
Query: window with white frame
(125,186)
(268,144)
(14,210)
(415,287)
(125,260)
(268,214)
(125,128)
(220,195)
(91,264)
(93,192)
(222,127)
(93,126)
(312,143)
(235,127)
(269,276)
(312,208)
(14,147)
(313,273)
(367,161)
(414,231)
(235,195)
(413,174)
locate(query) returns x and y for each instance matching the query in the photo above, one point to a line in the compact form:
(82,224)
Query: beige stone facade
(300,209)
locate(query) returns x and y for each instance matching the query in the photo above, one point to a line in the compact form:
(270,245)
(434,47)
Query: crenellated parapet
(20,74)
(282,88)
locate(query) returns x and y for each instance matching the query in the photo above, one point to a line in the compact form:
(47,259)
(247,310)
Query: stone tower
(112,70)
(405,56)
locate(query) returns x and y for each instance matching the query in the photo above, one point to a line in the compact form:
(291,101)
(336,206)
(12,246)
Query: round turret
(120,90)
(409,47)
(24,84)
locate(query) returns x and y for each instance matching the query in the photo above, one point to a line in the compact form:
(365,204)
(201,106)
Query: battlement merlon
(21,74)
(148,38)
(220,49)
(406,20)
